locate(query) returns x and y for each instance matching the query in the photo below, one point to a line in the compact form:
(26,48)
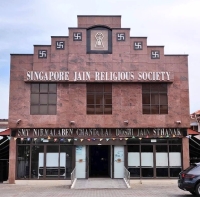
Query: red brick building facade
(98,86)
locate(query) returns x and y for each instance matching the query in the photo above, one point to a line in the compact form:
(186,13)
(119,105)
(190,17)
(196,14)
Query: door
(118,161)
(81,162)
(99,163)
(111,161)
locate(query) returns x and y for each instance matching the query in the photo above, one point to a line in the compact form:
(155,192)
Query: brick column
(186,155)
(12,161)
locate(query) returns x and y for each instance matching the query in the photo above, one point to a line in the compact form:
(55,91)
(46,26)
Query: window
(154,99)
(99,99)
(32,153)
(43,99)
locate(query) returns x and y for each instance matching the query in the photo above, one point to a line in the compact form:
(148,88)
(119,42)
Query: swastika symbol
(60,44)
(42,53)
(138,45)
(155,54)
(120,36)
(77,36)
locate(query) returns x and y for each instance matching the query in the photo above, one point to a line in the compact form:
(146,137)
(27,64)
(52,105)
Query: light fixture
(188,136)
(18,121)
(178,122)
(126,122)
(72,122)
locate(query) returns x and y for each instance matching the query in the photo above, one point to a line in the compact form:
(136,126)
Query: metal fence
(73,176)
(127,176)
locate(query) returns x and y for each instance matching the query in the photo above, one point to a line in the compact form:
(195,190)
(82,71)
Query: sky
(172,23)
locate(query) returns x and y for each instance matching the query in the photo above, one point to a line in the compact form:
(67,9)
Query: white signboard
(175,159)
(133,159)
(121,76)
(79,150)
(147,159)
(80,161)
(118,161)
(161,159)
(52,159)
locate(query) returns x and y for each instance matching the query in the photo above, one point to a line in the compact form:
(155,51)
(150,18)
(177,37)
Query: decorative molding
(120,36)
(59,36)
(42,53)
(60,45)
(99,40)
(138,45)
(42,45)
(99,16)
(77,36)
(155,54)
(20,54)
(104,133)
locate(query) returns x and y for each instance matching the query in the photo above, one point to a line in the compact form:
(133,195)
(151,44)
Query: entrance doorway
(99,162)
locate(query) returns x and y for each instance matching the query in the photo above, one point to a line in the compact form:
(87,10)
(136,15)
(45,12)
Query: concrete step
(99,183)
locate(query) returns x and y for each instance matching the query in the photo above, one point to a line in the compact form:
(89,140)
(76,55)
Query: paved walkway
(61,188)
(100,183)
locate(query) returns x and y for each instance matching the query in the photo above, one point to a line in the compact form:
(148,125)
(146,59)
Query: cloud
(174,24)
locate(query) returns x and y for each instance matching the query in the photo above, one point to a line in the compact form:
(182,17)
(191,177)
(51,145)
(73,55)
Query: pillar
(12,161)
(186,154)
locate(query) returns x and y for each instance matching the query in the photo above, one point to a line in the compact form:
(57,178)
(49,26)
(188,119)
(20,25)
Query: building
(195,120)
(98,100)
(194,137)
(3,124)
(4,149)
